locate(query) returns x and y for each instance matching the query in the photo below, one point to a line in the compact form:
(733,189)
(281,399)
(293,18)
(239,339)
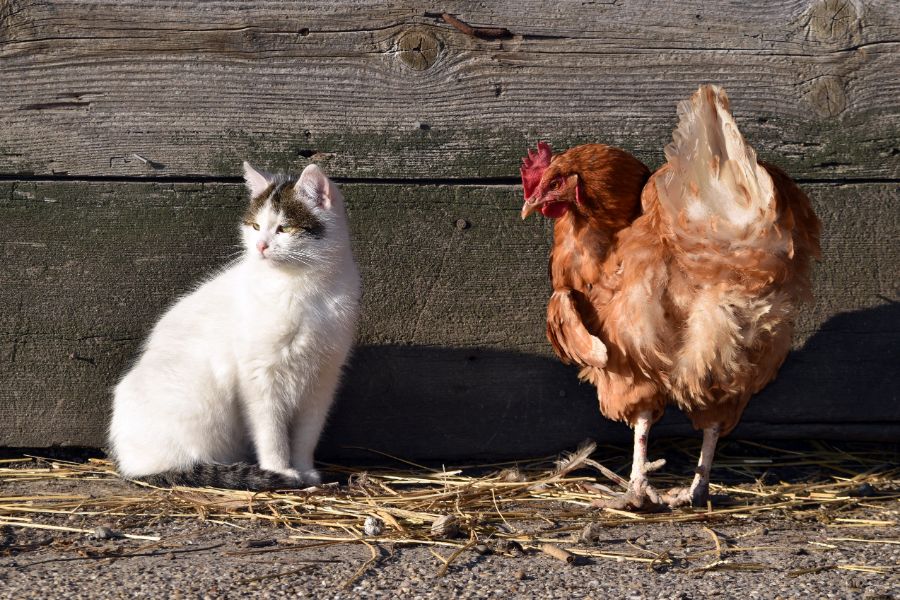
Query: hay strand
(152,538)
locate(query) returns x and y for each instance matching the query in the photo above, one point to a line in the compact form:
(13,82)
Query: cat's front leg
(308,425)
(270,433)
(309,420)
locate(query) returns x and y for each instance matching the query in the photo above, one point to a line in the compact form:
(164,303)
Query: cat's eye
(285,229)
(253,225)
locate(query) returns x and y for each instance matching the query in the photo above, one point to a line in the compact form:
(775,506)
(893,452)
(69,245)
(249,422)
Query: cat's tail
(237,476)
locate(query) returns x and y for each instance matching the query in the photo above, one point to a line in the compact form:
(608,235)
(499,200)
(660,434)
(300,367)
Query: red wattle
(554,210)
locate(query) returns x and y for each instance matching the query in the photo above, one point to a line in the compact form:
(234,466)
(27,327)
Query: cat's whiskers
(232,255)
(306,258)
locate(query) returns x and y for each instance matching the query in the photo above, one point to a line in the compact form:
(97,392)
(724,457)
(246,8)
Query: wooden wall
(123,125)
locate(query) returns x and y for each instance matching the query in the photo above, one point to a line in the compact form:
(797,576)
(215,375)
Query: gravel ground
(203,559)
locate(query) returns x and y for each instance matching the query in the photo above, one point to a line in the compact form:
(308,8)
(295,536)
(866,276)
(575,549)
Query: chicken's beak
(529,207)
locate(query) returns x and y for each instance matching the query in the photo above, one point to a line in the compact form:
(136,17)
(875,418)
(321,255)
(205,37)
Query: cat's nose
(261,245)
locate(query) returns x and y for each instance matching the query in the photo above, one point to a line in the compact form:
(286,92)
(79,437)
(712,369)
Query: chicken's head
(597,182)
(546,189)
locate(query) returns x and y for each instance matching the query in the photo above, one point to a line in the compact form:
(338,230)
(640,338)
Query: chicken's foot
(698,493)
(639,495)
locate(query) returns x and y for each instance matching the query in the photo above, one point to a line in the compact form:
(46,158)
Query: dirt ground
(767,554)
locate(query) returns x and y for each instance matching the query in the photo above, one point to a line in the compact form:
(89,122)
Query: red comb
(533,167)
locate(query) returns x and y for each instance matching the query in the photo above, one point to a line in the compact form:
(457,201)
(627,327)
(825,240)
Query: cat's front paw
(291,474)
(311,477)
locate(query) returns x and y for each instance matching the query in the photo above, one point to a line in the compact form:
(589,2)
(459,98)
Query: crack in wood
(55,105)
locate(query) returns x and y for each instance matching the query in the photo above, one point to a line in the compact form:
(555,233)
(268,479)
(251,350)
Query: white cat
(247,364)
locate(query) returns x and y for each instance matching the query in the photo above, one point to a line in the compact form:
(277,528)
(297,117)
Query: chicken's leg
(640,494)
(698,493)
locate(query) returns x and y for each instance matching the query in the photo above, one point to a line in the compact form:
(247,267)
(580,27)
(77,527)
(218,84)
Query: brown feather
(567,334)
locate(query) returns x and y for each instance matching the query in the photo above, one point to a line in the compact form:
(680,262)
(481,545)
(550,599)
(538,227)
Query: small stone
(104,533)
(864,490)
(481,549)
(373,526)
(508,547)
(445,526)
(462,224)
(591,533)
(519,574)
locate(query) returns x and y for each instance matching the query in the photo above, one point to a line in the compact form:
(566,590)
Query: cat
(246,366)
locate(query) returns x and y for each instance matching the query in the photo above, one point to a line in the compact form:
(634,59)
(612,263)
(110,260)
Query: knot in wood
(827,96)
(833,20)
(418,49)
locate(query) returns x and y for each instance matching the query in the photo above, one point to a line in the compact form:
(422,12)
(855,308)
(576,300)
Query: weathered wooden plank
(452,359)
(389,90)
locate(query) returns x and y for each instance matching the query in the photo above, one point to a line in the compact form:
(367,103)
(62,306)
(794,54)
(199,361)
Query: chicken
(677,287)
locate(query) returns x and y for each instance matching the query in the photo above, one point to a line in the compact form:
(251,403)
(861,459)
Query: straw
(538,504)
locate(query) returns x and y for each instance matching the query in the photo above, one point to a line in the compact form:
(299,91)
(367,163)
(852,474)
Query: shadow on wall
(845,379)
(452,404)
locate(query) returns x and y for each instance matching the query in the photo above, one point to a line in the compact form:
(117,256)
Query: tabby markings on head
(282,194)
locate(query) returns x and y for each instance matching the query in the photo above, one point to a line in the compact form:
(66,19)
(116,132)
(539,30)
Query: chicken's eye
(554,185)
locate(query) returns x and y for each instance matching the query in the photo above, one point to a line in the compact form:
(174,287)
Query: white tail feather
(714,187)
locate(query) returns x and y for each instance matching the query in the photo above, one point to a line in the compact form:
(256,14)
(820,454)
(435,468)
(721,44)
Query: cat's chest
(303,318)
(293,320)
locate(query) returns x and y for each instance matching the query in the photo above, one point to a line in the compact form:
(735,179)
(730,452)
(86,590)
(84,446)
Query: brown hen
(677,287)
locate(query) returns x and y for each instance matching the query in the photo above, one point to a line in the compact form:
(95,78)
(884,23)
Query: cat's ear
(315,186)
(256,182)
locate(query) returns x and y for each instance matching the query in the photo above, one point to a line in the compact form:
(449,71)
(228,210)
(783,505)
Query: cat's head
(292,221)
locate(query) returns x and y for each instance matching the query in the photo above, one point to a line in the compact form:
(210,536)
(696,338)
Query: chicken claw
(686,496)
(640,496)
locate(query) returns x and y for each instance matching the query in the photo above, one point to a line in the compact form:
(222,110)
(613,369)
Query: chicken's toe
(640,496)
(686,496)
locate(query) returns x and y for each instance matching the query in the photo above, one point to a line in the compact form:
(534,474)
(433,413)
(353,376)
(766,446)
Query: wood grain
(452,360)
(390,90)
